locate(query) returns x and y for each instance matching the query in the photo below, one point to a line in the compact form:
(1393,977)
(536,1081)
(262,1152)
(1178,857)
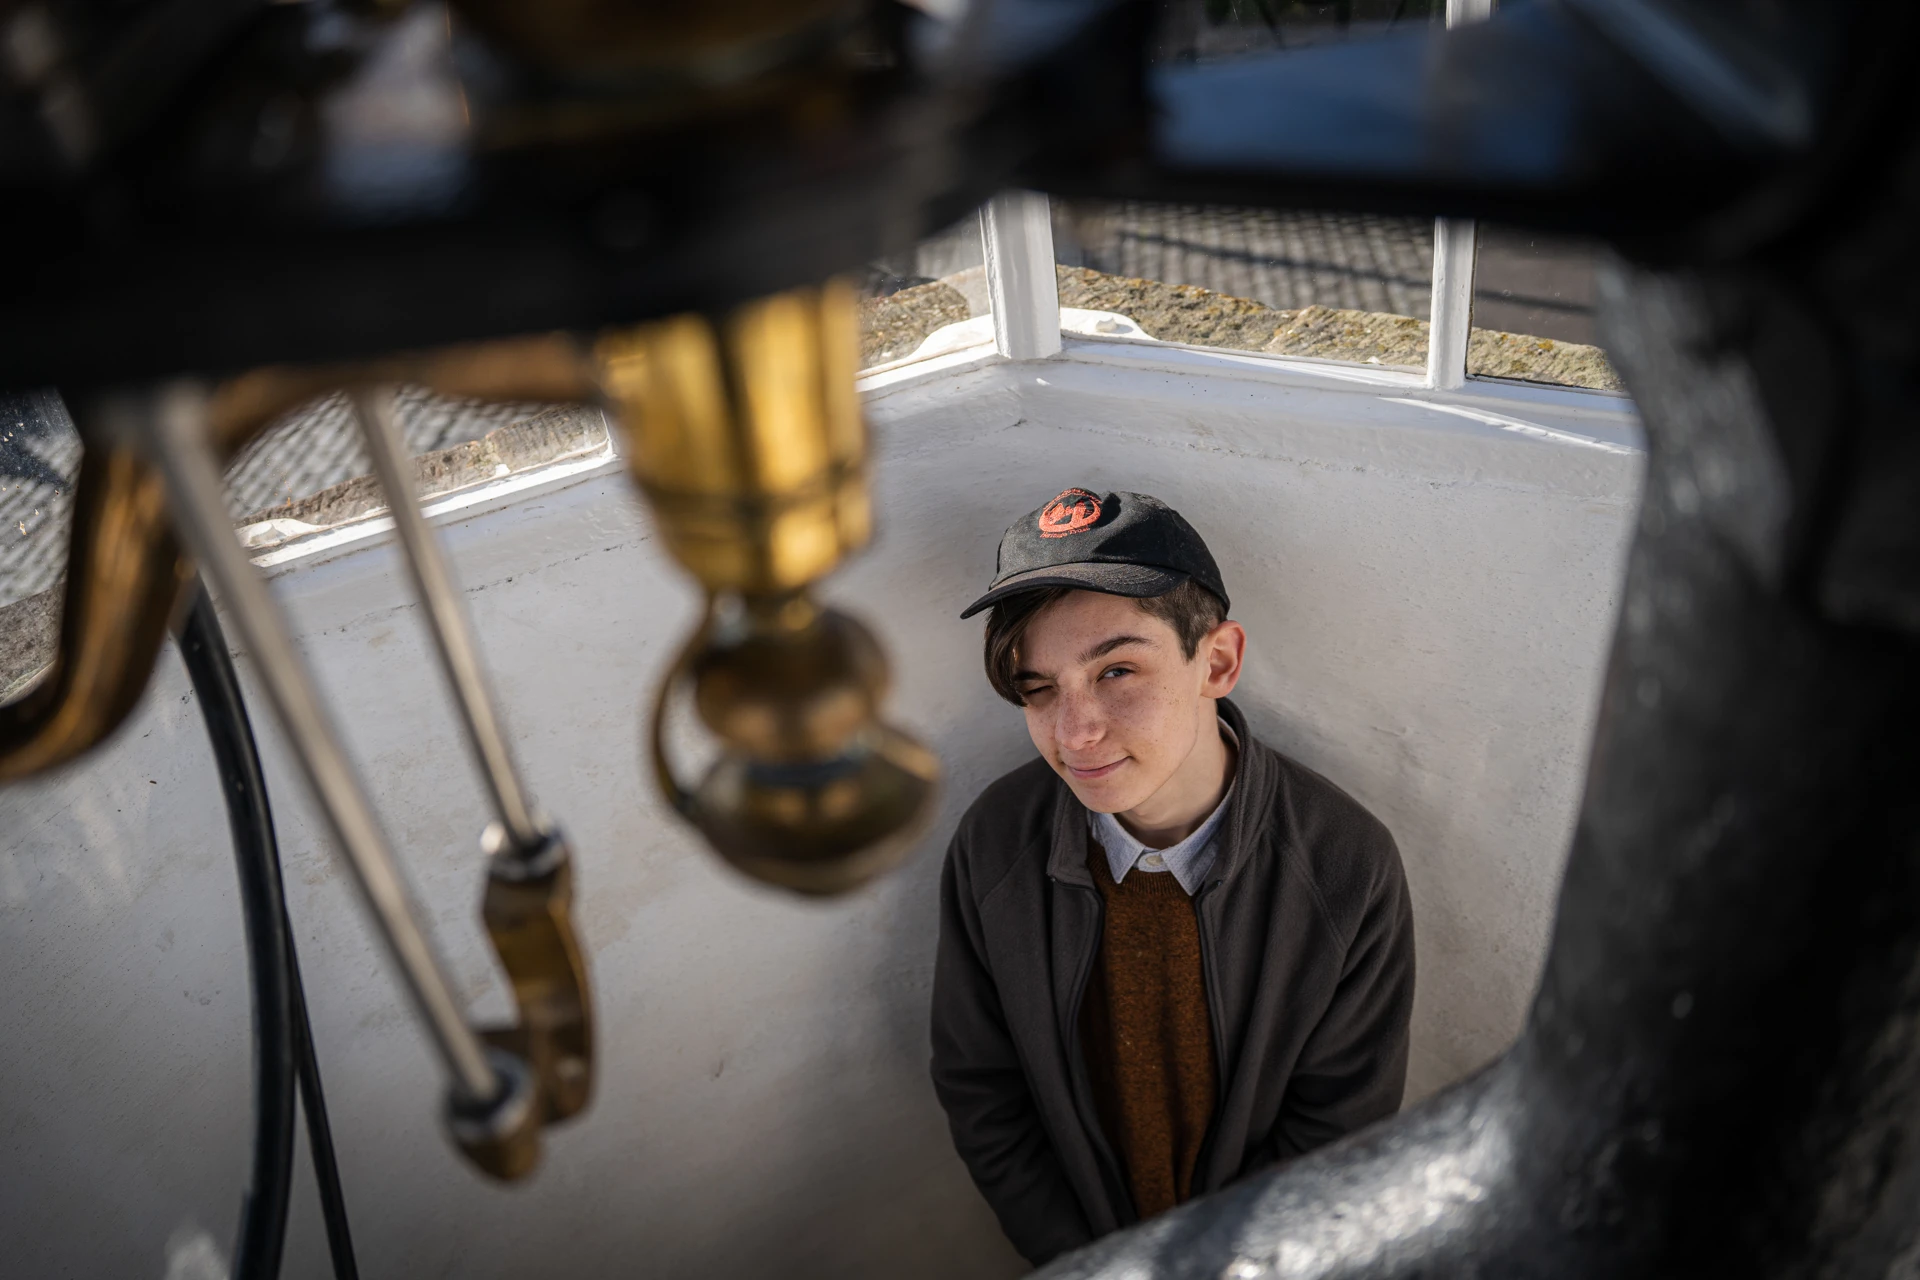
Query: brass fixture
(813,791)
(746,436)
(750,446)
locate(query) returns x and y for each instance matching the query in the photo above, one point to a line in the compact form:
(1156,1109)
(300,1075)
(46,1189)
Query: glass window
(304,474)
(1334,286)
(310,470)
(1533,310)
(930,299)
(1327,285)
(39,458)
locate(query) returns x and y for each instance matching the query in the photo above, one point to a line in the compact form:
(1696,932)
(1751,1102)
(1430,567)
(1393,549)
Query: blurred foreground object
(354,122)
(750,446)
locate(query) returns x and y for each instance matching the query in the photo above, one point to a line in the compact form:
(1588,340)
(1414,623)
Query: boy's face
(1112,702)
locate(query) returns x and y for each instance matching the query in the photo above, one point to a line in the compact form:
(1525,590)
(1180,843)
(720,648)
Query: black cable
(263,1210)
(313,1100)
(283,1034)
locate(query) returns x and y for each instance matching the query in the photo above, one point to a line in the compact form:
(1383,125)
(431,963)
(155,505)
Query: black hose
(263,1210)
(313,1100)
(283,1034)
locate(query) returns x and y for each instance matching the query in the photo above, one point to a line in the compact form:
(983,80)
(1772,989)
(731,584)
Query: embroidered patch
(1071,512)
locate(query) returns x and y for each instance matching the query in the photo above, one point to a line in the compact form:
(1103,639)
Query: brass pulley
(745,434)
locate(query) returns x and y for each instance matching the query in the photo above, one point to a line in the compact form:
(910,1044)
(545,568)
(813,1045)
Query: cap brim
(1136,580)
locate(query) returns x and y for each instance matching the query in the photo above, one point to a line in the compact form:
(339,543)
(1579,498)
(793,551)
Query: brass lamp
(749,444)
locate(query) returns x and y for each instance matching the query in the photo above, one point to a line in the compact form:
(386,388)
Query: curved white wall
(1428,596)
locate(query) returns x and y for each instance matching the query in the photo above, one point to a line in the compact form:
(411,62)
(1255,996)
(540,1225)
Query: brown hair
(1190,609)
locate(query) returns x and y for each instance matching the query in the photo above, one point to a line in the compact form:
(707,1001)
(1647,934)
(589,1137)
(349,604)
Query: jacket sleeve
(1353,1070)
(979,1080)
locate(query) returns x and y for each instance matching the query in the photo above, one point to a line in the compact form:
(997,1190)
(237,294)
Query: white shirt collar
(1189,861)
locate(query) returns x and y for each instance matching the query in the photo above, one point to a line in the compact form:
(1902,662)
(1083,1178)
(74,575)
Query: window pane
(39,459)
(920,303)
(1533,310)
(306,473)
(1334,286)
(310,470)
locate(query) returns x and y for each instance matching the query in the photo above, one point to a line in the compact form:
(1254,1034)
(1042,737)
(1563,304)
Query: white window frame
(1016,233)
(1450,324)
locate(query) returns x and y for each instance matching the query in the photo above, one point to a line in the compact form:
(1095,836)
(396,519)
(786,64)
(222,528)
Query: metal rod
(446,618)
(174,418)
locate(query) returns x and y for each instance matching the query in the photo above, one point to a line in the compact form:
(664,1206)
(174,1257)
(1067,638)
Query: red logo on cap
(1071,512)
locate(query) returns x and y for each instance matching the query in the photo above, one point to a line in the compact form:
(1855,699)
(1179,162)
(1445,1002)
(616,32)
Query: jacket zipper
(1114,1176)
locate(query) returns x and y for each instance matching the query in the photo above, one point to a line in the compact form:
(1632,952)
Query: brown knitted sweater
(1146,1034)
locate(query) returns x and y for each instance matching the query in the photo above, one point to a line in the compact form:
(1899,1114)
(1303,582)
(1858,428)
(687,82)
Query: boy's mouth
(1098,771)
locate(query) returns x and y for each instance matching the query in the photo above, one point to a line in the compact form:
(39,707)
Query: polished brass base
(812,791)
(820,828)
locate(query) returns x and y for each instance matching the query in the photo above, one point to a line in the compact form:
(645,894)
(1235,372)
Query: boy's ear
(1223,650)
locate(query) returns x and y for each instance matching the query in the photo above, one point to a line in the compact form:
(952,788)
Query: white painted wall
(1428,596)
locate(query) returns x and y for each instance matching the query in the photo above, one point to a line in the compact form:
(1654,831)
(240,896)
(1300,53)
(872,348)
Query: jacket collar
(1248,800)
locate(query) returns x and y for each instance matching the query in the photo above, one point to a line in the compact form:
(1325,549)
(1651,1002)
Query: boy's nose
(1080,723)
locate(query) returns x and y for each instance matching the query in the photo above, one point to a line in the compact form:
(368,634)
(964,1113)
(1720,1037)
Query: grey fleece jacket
(1306,943)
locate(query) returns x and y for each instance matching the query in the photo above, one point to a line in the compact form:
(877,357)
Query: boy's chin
(1104,796)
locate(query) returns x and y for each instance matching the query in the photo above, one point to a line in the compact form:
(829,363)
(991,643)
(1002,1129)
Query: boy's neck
(1185,800)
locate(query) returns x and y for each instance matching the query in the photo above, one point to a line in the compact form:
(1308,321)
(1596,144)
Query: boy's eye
(1116,671)
(1032,691)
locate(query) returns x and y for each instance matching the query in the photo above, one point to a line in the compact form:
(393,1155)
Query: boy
(1169,956)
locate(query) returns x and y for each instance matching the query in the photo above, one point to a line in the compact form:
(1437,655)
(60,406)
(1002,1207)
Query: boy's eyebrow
(1100,650)
(1111,643)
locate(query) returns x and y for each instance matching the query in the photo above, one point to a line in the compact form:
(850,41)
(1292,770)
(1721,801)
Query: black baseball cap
(1125,544)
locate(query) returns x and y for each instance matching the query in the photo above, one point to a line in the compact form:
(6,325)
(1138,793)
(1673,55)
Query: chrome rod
(446,617)
(173,420)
